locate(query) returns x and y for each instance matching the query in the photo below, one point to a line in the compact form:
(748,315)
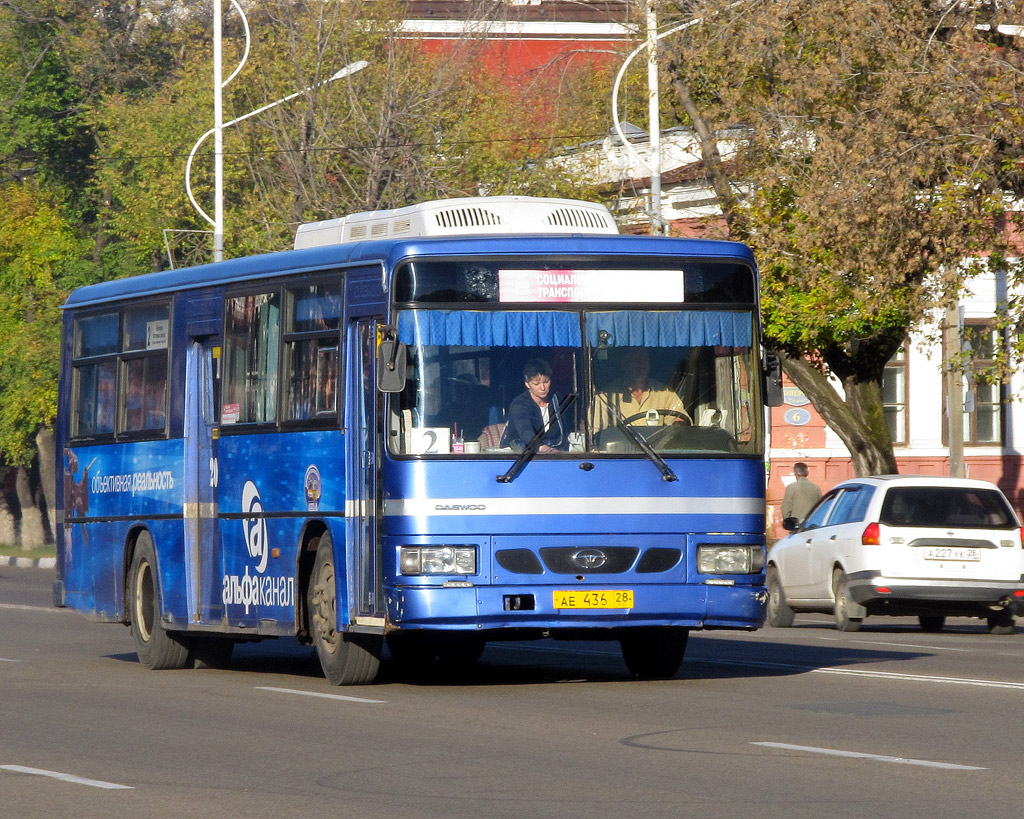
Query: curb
(28,562)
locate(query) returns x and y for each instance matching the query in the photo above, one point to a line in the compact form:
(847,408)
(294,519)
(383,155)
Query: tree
(40,260)
(415,125)
(870,170)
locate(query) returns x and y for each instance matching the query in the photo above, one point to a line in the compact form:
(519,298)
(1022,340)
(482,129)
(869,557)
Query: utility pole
(654,119)
(954,392)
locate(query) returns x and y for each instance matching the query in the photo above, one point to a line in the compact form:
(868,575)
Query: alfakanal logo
(255,526)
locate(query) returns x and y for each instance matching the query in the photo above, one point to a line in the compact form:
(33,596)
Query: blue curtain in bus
(492,328)
(626,328)
(686,328)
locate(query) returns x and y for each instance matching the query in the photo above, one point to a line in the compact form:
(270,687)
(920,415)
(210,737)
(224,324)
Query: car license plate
(954,553)
(594,599)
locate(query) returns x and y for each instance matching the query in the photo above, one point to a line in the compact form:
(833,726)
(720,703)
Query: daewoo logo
(589,558)
(460,507)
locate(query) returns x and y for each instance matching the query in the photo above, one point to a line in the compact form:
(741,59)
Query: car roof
(918,480)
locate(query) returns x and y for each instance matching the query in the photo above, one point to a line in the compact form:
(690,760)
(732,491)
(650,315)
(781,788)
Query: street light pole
(654,119)
(218,133)
(654,128)
(217,220)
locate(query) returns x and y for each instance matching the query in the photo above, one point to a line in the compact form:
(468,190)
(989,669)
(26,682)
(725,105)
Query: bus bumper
(515,607)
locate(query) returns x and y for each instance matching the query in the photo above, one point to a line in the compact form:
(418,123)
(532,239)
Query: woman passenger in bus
(534,410)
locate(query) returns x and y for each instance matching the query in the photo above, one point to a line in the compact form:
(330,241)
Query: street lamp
(217,220)
(654,116)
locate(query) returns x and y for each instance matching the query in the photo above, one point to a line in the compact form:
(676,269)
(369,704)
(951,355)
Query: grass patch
(8,550)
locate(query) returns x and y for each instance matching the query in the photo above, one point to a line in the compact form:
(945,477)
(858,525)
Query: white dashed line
(878,675)
(76,780)
(47,609)
(877,643)
(898,760)
(317,694)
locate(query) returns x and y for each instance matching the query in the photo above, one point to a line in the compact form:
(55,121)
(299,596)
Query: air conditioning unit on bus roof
(460,217)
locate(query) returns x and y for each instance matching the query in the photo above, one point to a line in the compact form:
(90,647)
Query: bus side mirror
(772,380)
(391,365)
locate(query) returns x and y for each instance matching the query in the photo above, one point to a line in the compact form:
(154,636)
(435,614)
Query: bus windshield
(581,381)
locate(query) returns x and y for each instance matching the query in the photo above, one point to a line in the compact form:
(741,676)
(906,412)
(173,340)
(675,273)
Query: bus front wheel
(156,647)
(347,658)
(653,653)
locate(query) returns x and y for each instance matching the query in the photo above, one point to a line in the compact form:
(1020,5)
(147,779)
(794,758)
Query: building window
(894,396)
(983,397)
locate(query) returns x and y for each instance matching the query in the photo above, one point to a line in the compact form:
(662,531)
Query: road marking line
(881,675)
(316,694)
(899,760)
(897,645)
(8,660)
(20,607)
(77,780)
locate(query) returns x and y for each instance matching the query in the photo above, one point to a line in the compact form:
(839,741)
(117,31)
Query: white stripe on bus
(419,507)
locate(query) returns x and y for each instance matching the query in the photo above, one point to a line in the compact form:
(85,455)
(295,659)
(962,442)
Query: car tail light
(871,536)
(1022,537)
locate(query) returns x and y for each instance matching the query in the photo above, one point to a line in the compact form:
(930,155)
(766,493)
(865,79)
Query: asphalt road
(801,722)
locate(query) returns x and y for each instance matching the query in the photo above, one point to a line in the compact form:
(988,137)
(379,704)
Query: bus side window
(144,369)
(94,374)
(251,332)
(312,352)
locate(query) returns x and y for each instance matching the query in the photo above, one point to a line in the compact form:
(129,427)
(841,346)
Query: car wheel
(780,615)
(841,589)
(1000,622)
(931,622)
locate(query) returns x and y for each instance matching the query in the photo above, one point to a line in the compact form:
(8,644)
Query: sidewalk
(28,562)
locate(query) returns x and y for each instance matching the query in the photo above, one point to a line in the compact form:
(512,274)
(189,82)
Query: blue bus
(346,443)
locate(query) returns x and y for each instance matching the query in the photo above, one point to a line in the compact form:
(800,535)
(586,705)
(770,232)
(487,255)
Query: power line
(365,147)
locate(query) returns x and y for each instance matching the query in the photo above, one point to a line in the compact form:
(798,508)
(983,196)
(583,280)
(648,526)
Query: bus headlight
(437,559)
(729,559)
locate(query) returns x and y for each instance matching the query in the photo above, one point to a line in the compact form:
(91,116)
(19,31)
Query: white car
(930,547)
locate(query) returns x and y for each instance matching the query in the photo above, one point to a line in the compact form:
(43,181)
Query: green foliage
(101,103)
(40,258)
(876,131)
(878,139)
(42,130)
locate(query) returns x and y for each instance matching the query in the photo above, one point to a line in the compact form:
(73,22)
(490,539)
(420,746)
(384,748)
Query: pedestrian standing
(799,499)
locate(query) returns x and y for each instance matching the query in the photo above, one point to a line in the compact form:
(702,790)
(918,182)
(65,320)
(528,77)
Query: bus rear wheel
(653,653)
(347,658)
(156,647)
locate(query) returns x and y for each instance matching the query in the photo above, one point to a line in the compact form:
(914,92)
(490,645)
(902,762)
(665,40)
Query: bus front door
(202,558)
(364,430)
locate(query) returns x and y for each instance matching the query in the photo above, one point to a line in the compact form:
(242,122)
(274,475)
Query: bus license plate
(951,553)
(594,599)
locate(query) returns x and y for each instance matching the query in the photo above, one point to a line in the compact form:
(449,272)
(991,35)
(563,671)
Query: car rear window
(946,506)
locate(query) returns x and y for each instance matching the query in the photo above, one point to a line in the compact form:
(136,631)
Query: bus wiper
(534,443)
(666,471)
